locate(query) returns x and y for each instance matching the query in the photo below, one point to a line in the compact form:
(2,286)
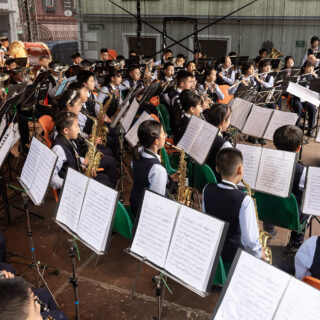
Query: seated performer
(225,73)
(191,105)
(68,129)
(307,259)
(104,54)
(311,53)
(166,77)
(134,79)
(298,106)
(263,53)
(180,61)
(18,301)
(76,59)
(166,58)
(247,78)
(226,202)
(209,87)
(191,67)
(290,138)
(219,116)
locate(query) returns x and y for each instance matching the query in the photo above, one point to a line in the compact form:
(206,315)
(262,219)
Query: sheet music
(251,159)
(128,118)
(311,197)
(96,214)
(257,121)
(156,223)
(240,110)
(6,143)
(304,93)
(279,119)
(301,301)
(275,172)
(3,124)
(254,291)
(30,165)
(203,141)
(132,135)
(70,203)
(193,247)
(16,134)
(42,177)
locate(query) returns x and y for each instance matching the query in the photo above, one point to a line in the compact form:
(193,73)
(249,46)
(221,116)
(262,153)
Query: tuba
(263,235)
(275,54)
(184,194)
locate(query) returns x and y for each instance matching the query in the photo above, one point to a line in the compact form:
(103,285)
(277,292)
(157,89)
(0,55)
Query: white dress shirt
(217,90)
(229,80)
(304,257)
(247,221)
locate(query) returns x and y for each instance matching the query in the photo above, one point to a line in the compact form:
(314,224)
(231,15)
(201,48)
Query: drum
(30,50)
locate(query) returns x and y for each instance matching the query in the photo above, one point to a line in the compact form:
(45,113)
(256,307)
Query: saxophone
(263,235)
(102,130)
(92,154)
(184,194)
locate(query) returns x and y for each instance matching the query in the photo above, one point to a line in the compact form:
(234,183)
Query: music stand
(267,96)
(150,92)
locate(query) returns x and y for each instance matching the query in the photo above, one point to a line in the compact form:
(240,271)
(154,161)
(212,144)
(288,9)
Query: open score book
(178,240)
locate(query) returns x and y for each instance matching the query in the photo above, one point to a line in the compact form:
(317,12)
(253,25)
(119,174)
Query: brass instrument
(61,69)
(275,54)
(263,235)
(102,130)
(184,195)
(92,154)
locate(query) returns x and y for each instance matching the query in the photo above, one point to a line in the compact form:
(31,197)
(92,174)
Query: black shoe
(253,140)
(293,246)
(262,141)
(273,233)
(310,134)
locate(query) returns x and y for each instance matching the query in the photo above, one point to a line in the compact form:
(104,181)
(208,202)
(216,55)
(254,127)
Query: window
(70,5)
(49,5)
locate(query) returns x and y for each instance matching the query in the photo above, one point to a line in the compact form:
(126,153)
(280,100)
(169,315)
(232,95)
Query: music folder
(9,138)
(181,242)
(268,170)
(86,209)
(9,103)
(257,290)
(37,171)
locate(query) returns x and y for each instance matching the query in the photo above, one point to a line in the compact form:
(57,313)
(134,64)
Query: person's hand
(139,98)
(106,119)
(220,74)
(60,80)
(98,140)
(175,176)
(244,82)
(263,255)
(7,274)
(94,173)
(312,58)
(85,162)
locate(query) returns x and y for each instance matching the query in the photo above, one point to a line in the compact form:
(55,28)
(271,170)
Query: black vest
(315,267)
(73,160)
(141,169)
(183,127)
(90,106)
(113,107)
(225,204)
(212,157)
(295,188)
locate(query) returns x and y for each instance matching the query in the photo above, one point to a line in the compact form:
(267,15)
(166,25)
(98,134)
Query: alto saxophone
(92,154)
(263,235)
(184,194)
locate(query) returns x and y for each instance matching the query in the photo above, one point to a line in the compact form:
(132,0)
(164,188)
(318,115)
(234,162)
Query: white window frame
(126,49)
(208,37)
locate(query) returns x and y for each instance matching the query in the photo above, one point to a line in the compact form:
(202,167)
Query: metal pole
(80,23)
(139,28)
(27,8)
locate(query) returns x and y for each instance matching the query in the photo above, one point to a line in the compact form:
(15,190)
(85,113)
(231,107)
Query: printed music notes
(311,196)
(86,209)
(7,141)
(268,170)
(37,170)
(256,290)
(179,240)
(303,93)
(126,121)
(132,135)
(258,121)
(198,139)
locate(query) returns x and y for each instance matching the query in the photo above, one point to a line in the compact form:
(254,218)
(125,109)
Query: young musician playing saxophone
(226,202)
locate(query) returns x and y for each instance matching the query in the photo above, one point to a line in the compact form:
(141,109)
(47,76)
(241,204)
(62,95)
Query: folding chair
(227,97)
(47,125)
(314,282)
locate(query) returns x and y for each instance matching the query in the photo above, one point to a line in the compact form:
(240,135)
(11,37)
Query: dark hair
(263,50)
(180,55)
(113,73)
(148,131)
(9,61)
(288,138)
(264,63)
(218,114)
(64,120)
(257,59)
(314,39)
(287,58)
(167,51)
(246,67)
(76,86)
(84,76)
(68,97)
(228,159)
(207,73)
(188,98)
(132,51)
(232,53)
(168,64)
(120,57)
(183,75)
(14,298)
(223,59)
(75,55)
(133,67)
(189,62)
(102,50)
(307,64)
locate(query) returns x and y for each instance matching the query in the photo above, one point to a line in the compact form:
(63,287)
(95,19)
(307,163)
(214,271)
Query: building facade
(10,19)
(286,25)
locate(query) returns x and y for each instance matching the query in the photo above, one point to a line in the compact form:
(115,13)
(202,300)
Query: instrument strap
(150,153)
(229,185)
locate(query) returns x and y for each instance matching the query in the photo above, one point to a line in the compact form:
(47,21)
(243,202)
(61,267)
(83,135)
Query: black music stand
(268,96)
(151,91)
